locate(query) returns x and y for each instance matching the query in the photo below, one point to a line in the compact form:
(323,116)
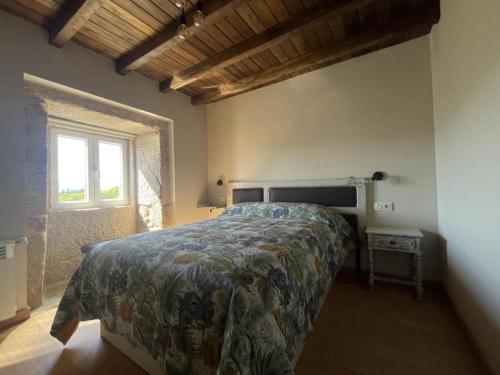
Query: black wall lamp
(378,176)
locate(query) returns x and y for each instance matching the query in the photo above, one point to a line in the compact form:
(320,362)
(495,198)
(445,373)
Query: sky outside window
(72,168)
(111,170)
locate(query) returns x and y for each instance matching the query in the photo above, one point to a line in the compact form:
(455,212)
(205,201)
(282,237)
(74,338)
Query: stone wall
(36,195)
(68,231)
(56,237)
(148,168)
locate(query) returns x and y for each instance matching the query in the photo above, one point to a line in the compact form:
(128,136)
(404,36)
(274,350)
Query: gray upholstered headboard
(248,195)
(330,196)
(347,196)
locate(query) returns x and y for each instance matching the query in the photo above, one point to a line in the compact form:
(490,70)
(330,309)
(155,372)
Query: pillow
(302,211)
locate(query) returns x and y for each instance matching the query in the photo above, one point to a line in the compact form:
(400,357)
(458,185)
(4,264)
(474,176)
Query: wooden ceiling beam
(405,29)
(167,39)
(269,38)
(73,15)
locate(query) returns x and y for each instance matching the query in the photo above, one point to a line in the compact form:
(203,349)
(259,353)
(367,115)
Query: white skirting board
(140,357)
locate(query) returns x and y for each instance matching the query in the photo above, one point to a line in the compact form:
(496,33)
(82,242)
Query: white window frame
(92,137)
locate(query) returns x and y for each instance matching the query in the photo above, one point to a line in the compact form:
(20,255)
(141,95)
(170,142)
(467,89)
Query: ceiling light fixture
(182,30)
(199,17)
(180,4)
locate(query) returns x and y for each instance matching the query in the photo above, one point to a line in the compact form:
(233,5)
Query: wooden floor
(386,331)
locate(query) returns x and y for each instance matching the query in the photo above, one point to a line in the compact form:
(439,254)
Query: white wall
(352,119)
(466,75)
(24,49)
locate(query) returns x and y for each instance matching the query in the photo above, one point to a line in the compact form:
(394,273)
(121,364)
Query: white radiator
(12,296)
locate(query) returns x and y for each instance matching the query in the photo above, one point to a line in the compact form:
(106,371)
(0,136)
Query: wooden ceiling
(244,44)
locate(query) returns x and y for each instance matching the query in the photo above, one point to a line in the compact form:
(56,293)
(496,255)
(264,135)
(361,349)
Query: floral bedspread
(232,295)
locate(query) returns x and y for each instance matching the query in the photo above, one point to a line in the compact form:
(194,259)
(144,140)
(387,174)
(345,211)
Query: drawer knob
(392,242)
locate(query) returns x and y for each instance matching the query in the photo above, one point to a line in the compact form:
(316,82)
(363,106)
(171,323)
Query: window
(88,169)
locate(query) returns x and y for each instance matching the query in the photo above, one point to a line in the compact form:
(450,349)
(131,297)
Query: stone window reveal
(56,236)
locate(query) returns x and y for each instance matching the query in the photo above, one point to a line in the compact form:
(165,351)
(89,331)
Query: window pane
(110,170)
(72,169)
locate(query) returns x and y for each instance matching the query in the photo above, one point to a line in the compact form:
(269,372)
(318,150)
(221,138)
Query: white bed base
(142,358)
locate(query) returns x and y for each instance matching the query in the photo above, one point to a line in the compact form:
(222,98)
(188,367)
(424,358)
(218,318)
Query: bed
(232,295)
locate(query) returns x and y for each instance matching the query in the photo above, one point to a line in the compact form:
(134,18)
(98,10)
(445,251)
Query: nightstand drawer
(391,242)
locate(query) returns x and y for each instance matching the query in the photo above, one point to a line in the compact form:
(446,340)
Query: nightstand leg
(414,268)
(371,281)
(420,287)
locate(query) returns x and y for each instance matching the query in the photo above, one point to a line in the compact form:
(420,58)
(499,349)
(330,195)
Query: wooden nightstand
(402,240)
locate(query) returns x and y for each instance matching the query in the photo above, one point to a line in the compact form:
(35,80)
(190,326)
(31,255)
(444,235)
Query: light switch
(384,206)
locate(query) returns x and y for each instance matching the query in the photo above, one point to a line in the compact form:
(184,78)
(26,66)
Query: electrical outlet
(384,206)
